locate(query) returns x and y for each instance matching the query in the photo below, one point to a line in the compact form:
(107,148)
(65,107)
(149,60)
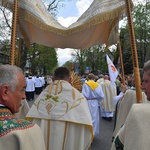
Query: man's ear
(4,92)
(70,80)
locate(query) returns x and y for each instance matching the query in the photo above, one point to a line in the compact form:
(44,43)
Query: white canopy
(98,25)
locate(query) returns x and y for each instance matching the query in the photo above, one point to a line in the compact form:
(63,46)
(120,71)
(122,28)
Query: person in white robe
(93,94)
(101,79)
(107,105)
(38,85)
(123,107)
(43,81)
(16,133)
(135,133)
(62,113)
(49,80)
(30,88)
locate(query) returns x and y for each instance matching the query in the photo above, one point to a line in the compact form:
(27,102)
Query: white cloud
(67,21)
(64,55)
(82,5)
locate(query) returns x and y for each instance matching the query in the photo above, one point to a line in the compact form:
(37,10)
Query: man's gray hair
(8,75)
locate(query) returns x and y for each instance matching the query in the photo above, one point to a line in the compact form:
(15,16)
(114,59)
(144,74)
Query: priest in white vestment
(93,94)
(135,133)
(62,113)
(107,104)
(123,107)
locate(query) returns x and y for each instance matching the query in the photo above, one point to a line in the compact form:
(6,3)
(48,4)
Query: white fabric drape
(98,25)
(135,132)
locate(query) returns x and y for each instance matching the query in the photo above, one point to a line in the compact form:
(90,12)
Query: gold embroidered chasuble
(63,114)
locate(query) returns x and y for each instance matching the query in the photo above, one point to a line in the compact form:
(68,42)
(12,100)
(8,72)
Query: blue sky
(69,9)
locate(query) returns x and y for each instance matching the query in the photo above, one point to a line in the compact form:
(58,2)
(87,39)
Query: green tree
(79,58)
(141,22)
(141,14)
(93,57)
(5,24)
(42,59)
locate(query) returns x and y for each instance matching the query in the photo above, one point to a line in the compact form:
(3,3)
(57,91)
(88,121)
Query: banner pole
(121,62)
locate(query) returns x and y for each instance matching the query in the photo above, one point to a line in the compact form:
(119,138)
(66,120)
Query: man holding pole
(135,132)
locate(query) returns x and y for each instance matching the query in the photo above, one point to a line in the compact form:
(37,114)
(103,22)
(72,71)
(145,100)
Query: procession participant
(62,113)
(118,85)
(30,88)
(101,78)
(43,81)
(107,104)
(16,134)
(123,107)
(135,132)
(38,84)
(48,80)
(94,94)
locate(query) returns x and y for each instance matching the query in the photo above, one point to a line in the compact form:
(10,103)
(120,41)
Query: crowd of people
(63,118)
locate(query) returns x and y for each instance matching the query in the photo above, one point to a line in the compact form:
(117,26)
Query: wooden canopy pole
(134,53)
(121,62)
(19,52)
(13,33)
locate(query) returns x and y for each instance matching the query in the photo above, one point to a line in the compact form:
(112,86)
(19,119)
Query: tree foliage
(42,58)
(141,22)
(5,24)
(93,58)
